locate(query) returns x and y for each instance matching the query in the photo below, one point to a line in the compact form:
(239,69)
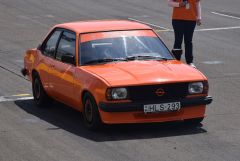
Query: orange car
(115,71)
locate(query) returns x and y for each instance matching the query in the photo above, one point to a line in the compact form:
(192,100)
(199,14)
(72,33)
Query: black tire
(91,117)
(193,122)
(39,94)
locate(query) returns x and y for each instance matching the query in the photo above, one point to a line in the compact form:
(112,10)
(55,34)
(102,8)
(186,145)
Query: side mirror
(68,58)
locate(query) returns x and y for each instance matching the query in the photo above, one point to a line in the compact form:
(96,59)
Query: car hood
(145,72)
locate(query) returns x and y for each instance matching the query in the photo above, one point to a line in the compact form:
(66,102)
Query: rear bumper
(138,106)
(24,72)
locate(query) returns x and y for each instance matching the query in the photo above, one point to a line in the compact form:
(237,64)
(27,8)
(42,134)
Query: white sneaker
(192,65)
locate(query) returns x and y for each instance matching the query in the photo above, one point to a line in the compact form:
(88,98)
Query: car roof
(102,25)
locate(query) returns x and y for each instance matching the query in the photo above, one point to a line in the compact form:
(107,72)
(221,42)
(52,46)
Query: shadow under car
(66,118)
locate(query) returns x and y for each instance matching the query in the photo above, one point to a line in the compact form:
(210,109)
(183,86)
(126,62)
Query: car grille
(148,92)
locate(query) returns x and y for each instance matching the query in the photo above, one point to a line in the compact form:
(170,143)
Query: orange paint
(140,117)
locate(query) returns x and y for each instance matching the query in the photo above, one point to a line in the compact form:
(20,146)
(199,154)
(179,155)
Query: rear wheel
(193,122)
(39,94)
(91,115)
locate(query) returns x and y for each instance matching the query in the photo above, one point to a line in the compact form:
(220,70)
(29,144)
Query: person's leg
(188,36)
(178,33)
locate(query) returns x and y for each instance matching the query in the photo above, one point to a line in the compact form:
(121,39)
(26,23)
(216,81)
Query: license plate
(163,107)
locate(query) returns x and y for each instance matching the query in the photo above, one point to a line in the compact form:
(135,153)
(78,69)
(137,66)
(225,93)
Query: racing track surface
(28,133)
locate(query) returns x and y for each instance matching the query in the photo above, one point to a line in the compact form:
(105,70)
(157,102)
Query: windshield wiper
(138,57)
(146,57)
(106,60)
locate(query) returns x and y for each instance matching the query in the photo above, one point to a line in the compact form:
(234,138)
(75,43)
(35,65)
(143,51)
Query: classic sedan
(115,72)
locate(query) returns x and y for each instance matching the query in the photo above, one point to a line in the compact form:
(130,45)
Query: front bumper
(138,106)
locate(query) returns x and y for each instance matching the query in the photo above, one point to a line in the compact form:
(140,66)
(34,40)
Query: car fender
(96,87)
(29,61)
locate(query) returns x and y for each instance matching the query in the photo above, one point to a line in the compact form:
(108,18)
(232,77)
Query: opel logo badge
(160,92)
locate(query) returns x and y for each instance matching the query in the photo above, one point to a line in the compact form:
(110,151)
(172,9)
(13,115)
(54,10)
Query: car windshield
(105,47)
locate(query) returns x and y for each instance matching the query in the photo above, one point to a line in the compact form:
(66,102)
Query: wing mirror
(68,58)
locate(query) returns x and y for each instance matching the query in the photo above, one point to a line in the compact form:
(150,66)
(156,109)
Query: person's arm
(173,3)
(199,10)
(199,13)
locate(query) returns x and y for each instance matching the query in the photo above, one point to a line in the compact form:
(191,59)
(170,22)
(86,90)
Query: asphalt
(28,133)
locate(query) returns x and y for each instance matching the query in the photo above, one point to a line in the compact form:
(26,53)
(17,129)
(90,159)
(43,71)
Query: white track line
(220,28)
(224,15)
(209,29)
(166,29)
(133,19)
(9,99)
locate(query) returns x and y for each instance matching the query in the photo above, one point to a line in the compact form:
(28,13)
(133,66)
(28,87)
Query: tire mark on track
(11,71)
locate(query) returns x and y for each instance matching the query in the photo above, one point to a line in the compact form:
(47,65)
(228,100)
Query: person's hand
(199,22)
(182,4)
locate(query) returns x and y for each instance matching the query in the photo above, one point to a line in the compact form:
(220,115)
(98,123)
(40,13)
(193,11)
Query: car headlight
(195,88)
(117,93)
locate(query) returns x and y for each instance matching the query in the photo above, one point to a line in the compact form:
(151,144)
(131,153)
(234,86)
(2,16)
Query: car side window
(66,45)
(50,46)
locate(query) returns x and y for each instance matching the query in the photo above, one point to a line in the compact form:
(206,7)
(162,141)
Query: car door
(48,50)
(63,73)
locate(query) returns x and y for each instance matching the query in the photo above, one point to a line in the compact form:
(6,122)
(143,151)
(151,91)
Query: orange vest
(181,13)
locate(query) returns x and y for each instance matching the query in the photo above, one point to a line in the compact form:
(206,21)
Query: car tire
(193,122)
(40,97)
(91,117)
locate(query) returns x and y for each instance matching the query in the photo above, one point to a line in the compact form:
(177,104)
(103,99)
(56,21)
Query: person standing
(186,14)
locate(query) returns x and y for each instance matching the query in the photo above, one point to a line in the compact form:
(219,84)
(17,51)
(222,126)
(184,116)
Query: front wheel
(91,115)
(39,94)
